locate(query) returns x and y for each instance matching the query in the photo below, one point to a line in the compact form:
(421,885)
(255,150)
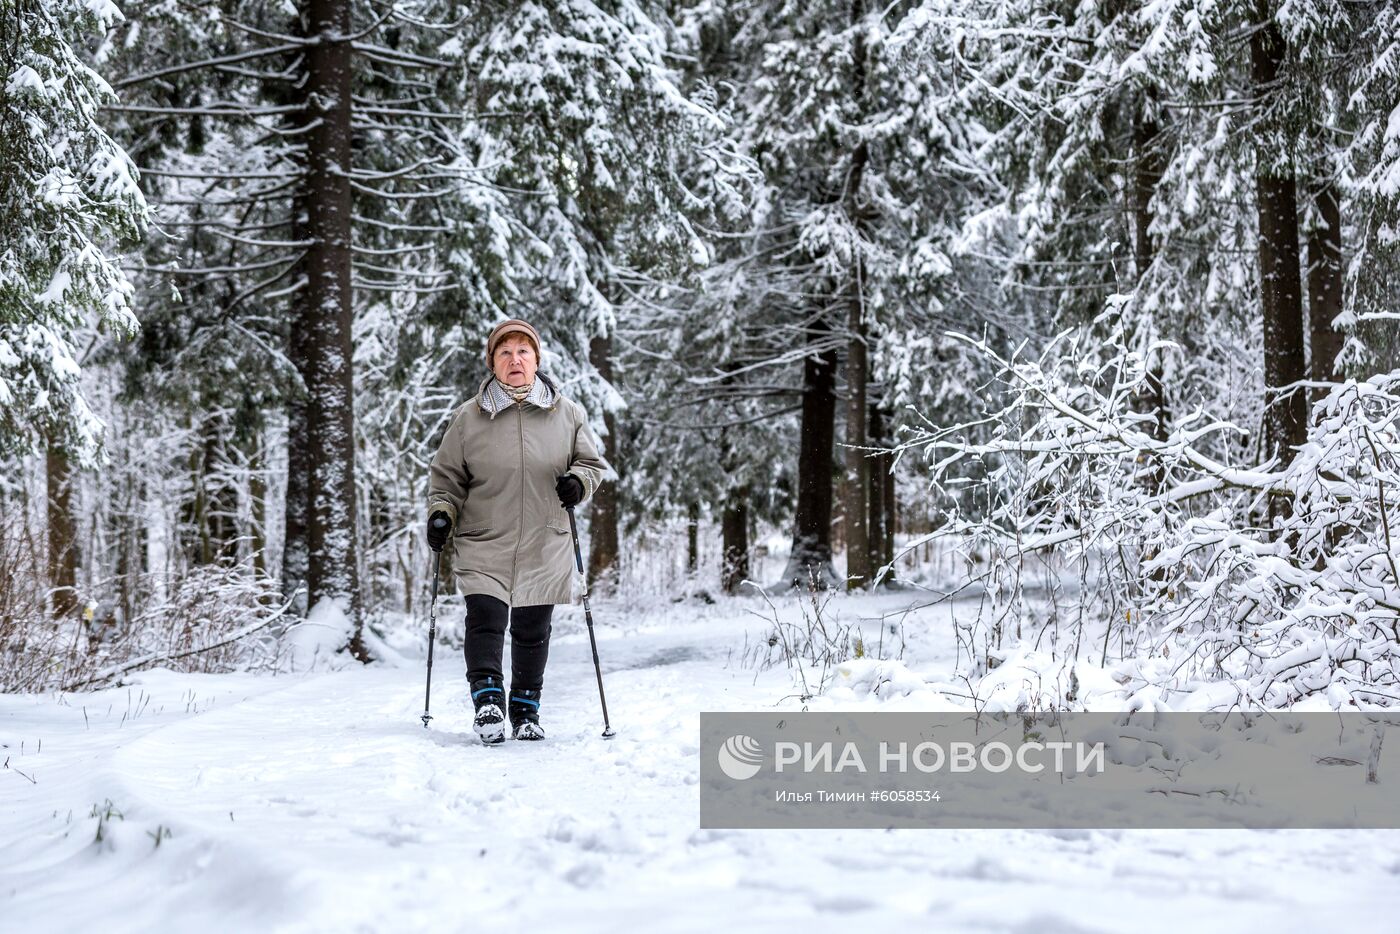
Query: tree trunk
(891,515)
(881,509)
(810,559)
(325,320)
(874,488)
(195,526)
(692,537)
(220,497)
(63,544)
(603,515)
(734,532)
(125,526)
(734,566)
(857,487)
(257,495)
(1325,283)
(296,509)
(1285,420)
(132,540)
(1148,165)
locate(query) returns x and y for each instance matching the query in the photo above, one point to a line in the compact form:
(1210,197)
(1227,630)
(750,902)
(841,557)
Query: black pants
(529,640)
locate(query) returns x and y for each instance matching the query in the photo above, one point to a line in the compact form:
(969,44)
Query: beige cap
(506,328)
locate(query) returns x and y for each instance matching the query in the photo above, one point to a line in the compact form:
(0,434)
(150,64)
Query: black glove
(439,527)
(570,490)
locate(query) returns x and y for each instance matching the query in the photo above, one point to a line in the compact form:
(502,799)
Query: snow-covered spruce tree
(718,421)
(868,167)
(1118,183)
(807,84)
(721,395)
(68,195)
(1356,190)
(199,386)
(310,166)
(589,121)
(687,348)
(917,221)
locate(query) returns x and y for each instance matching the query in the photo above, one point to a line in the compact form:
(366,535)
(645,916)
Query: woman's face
(514,362)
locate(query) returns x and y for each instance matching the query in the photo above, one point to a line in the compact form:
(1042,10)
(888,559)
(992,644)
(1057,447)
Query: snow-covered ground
(318,802)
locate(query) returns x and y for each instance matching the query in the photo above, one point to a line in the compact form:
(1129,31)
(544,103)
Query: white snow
(317,802)
(312,642)
(23,78)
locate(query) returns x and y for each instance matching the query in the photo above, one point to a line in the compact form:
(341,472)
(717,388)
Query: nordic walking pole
(588,615)
(432,634)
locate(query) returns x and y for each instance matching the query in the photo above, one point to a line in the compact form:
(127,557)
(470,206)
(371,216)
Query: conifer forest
(1008,355)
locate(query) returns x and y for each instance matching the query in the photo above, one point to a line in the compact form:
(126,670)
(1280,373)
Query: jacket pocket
(467,533)
(557,551)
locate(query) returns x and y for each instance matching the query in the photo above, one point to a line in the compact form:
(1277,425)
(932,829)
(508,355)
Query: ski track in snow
(319,803)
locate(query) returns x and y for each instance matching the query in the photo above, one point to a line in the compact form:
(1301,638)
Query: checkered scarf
(495,396)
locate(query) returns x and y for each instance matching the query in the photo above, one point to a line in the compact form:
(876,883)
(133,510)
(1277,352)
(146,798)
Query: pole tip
(609,733)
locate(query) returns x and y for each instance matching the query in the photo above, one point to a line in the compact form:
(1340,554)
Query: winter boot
(489,695)
(525,714)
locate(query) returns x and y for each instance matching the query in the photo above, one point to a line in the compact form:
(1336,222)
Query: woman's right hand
(439,527)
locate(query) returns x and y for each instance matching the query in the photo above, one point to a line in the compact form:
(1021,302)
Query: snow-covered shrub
(23,604)
(1164,548)
(815,646)
(213,618)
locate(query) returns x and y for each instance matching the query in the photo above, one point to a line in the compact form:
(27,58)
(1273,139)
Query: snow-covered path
(319,803)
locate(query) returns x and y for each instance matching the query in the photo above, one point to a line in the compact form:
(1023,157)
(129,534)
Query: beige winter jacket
(494,475)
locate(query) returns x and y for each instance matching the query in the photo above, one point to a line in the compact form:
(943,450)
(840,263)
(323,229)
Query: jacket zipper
(520,535)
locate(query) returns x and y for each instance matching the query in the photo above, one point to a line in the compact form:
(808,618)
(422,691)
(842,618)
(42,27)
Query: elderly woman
(514,457)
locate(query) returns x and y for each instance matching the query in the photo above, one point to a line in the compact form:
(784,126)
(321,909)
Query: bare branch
(395,57)
(251,55)
(217,110)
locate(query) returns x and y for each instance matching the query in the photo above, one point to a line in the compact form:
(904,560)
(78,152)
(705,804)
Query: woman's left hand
(570,490)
